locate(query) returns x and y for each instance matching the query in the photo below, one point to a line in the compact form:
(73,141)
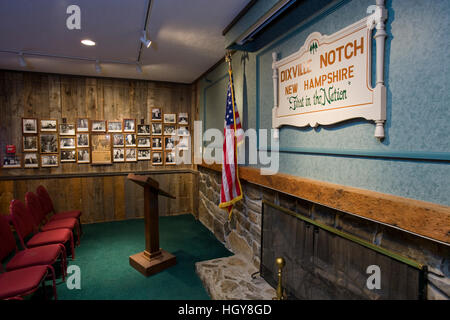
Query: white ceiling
(186,37)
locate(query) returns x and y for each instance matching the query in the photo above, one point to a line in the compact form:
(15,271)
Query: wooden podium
(153,259)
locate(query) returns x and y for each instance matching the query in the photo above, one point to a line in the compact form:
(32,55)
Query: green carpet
(106,273)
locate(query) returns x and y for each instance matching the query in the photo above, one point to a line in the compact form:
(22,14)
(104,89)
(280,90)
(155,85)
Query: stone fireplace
(244,235)
(325,263)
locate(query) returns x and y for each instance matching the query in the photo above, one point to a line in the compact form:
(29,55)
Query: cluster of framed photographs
(47,143)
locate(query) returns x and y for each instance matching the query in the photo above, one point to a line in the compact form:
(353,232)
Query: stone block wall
(242,234)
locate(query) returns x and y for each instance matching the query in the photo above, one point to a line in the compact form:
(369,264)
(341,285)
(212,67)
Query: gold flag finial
(228,58)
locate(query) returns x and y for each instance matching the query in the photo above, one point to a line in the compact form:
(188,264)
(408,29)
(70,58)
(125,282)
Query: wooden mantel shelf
(423,218)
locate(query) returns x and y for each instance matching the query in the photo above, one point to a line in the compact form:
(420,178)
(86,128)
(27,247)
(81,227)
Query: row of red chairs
(44,235)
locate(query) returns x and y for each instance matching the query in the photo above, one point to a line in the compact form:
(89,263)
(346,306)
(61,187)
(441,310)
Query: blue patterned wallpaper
(418,111)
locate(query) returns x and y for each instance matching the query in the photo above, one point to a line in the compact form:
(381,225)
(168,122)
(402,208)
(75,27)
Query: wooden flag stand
(153,259)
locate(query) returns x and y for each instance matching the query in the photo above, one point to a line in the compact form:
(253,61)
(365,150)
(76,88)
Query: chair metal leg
(52,270)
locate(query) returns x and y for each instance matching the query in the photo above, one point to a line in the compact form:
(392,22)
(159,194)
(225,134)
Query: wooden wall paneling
(56,189)
(130,192)
(86,207)
(11,113)
(108,198)
(175,184)
(93,99)
(31,92)
(20,188)
(64,96)
(151,102)
(26,94)
(74,192)
(5,114)
(163,203)
(139,202)
(98,200)
(73,98)
(119,197)
(54,101)
(139,108)
(6,195)
(104,198)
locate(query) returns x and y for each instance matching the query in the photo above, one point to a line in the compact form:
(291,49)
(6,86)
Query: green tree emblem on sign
(313,47)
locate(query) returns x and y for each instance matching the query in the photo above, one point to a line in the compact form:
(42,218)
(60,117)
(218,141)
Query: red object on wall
(10,148)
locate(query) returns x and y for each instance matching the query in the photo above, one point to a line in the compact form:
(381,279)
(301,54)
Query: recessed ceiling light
(88,42)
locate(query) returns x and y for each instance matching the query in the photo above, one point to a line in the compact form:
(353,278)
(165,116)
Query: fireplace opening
(325,263)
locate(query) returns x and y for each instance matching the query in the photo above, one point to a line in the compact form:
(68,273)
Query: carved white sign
(329,79)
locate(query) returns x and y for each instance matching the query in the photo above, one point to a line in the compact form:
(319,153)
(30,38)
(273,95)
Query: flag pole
(230,73)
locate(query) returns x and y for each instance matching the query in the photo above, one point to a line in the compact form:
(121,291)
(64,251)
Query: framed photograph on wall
(101,149)
(67,129)
(170,130)
(130,154)
(157,159)
(156,129)
(183,131)
(157,143)
(129,125)
(156,114)
(143,129)
(67,143)
(170,158)
(49,125)
(83,155)
(118,140)
(143,142)
(118,154)
(98,126)
(144,154)
(183,118)
(82,125)
(30,143)
(170,118)
(11,161)
(68,156)
(48,143)
(30,160)
(114,126)
(29,125)
(169,143)
(130,140)
(49,160)
(82,140)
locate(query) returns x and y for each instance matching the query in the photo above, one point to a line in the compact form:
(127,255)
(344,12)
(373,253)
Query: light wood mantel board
(423,218)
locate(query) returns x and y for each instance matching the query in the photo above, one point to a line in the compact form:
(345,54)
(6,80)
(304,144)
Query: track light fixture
(145,41)
(22,61)
(98,69)
(138,67)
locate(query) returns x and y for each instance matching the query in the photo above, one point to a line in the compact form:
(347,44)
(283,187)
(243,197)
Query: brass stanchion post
(280,291)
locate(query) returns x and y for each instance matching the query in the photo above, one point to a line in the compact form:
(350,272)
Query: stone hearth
(242,234)
(230,278)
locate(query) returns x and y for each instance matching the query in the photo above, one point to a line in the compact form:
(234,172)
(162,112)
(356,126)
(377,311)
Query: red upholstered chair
(22,282)
(24,224)
(34,206)
(48,207)
(45,255)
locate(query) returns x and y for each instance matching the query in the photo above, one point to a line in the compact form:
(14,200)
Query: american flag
(231,190)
